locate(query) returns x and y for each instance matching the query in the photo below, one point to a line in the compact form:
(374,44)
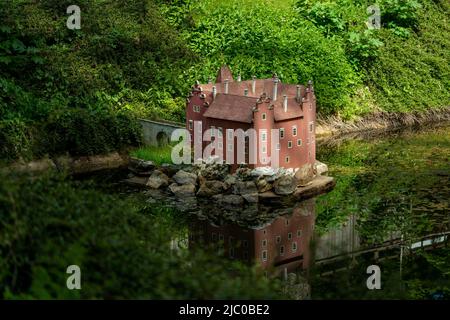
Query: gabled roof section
(231,107)
(293,110)
(224,74)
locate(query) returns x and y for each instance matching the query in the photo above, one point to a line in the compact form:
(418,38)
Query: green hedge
(75,131)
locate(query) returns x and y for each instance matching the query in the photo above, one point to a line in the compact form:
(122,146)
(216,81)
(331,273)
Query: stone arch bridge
(158,133)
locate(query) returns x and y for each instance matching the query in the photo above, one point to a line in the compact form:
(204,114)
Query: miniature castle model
(260,104)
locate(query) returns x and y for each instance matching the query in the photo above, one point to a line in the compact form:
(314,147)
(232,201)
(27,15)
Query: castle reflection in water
(288,243)
(282,244)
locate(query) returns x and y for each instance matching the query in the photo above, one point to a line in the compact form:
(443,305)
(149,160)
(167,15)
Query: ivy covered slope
(403,66)
(80,90)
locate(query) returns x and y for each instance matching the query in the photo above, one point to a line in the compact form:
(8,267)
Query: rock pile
(215,181)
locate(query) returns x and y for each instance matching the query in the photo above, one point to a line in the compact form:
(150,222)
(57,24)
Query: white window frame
(282,133)
(294,131)
(230,134)
(294,244)
(263,135)
(264,255)
(299,142)
(264,243)
(290,236)
(311,126)
(191,124)
(264,116)
(290,144)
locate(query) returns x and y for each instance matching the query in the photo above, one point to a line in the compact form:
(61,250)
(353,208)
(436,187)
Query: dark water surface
(390,208)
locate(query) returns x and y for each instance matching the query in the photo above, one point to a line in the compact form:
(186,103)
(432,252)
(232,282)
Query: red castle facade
(260,104)
(283,243)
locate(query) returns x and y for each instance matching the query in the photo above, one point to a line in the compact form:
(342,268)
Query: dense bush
(74,131)
(122,248)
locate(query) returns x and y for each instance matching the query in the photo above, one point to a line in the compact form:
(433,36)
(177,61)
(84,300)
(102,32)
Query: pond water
(390,208)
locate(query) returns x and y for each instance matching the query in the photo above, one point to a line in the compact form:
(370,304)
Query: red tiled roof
(293,110)
(261,86)
(231,107)
(235,106)
(224,74)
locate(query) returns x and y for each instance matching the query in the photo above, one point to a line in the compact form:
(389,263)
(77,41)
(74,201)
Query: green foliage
(141,57)
(158,155)
(123,249)
(260,39)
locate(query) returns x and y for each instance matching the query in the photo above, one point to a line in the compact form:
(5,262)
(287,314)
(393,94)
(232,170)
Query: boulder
(170,169)
(263,171)
(230,180)
(157,180)
(263,185)
(245,187)
(183,191)
(320,168)
(210,188)
(243,173)
(214,171)
(304,174)
(321,184)
(231,200)
(285,185)
(141,167)
(183,177)
(251,197)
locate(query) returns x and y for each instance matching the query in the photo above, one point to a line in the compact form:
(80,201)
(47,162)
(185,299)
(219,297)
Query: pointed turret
(224,74)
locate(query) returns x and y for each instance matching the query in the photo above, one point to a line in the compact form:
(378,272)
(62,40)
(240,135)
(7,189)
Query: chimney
(239,78)
(214,91)
(254,85)
(275,89)
(226,86)
(285,103)
(298,94)
(246,92)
